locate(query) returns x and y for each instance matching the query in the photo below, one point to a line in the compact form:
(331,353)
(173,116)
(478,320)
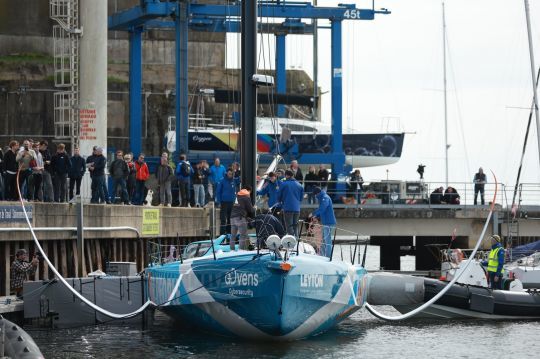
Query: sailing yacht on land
(361,149)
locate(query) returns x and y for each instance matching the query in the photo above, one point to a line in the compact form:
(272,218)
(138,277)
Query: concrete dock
(11,308)
(398,229)
(113,233)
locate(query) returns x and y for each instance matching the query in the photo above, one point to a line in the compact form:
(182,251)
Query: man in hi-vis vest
(495,263)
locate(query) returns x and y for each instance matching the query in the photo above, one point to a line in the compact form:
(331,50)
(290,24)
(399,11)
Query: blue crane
(226,18)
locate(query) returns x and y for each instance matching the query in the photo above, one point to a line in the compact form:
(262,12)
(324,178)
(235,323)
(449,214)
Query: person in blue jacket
(325,213)
(290,195)
(217,172)
(183,174)
(225,197)
(270,189)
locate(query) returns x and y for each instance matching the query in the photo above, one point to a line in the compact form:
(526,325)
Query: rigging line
(196,97)
(226,50)
(271,92)
(452,282)
(460,119)
(61,279)
(524,146)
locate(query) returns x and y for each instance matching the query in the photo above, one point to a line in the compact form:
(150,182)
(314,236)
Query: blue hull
(240,294)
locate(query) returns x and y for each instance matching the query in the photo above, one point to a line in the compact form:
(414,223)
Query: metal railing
(311,240)
(395,193)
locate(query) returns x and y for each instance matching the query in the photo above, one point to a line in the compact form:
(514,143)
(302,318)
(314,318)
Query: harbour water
(360,336)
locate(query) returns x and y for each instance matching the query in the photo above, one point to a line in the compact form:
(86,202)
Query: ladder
(66,69)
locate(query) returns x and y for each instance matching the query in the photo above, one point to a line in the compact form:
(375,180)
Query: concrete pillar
(93,78)
(390,253)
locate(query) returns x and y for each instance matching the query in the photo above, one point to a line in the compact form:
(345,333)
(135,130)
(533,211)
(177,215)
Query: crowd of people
(42,176)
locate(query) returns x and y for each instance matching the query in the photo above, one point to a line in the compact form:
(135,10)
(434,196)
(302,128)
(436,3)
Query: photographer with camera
(21,269)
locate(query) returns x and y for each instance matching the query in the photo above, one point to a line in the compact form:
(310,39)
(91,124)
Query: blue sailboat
(265,294)
(281,290)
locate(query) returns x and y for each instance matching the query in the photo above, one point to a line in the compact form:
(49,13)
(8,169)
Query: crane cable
(452,282)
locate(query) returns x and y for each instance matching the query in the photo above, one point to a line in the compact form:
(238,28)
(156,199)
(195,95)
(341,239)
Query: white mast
(533,72)
(446,146)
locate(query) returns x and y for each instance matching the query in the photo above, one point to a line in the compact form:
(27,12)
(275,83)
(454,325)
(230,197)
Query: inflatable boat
(460,302)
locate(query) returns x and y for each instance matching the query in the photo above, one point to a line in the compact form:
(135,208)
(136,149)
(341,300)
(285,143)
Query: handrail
(72,229)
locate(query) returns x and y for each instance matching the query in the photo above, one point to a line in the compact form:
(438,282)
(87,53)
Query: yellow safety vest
(493,260)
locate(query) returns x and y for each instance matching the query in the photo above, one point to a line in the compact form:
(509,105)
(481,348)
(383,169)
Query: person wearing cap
(21,269)
(495,262)
(240,213)
(325,214)
(479,183)
(290,196)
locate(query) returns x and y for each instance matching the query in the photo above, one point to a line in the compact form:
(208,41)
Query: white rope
(451,283)
(65,283)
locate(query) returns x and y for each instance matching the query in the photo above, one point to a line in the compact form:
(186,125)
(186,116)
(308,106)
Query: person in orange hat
(240,213)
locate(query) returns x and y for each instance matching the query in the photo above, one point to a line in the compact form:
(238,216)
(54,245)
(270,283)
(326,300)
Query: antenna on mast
(446,145)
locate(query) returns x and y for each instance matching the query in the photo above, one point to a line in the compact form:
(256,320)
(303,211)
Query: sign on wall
(150,225)
(14,213)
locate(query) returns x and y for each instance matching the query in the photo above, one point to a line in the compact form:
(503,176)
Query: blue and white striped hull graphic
(245,297)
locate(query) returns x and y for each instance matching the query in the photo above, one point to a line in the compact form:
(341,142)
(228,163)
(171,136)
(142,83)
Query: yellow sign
(150,224)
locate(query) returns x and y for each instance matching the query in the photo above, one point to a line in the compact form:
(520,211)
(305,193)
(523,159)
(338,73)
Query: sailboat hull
(252,297)
(361,149)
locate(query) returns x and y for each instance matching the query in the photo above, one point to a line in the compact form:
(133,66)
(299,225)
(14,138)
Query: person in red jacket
(141,177)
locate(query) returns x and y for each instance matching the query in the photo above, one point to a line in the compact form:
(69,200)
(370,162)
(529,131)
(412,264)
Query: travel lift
(150,14)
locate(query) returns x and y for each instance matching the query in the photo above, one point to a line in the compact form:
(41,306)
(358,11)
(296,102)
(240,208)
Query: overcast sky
(393,78)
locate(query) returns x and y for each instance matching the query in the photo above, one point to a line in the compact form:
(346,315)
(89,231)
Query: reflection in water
(360,336)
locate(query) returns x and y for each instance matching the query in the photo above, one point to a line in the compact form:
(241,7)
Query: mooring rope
(99,309)
(451,283)
(64,282)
